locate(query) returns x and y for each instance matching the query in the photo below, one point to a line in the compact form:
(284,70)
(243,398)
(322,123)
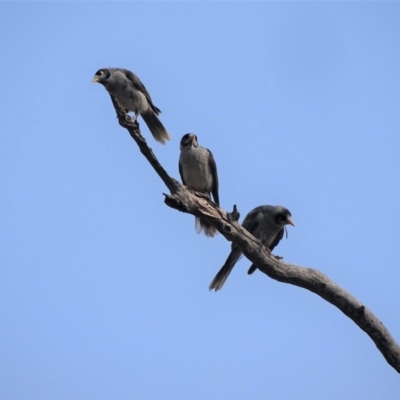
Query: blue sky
(104,288)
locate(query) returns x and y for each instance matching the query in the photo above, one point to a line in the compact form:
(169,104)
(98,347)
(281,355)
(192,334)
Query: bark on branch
(185,200)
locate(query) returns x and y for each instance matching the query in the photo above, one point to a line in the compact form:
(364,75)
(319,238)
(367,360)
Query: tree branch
(188,201)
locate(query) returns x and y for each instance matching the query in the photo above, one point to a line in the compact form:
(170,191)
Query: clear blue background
(103,288)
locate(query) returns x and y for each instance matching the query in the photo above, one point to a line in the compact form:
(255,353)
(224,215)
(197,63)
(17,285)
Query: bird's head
(101,76)
(282,216)
(189,140)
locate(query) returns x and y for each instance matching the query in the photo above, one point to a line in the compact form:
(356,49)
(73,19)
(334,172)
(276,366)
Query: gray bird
(198,171)
(132,95)
(267,224)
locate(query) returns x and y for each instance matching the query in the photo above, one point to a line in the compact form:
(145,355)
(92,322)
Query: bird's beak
(290,221)
(192,140)
(95,79)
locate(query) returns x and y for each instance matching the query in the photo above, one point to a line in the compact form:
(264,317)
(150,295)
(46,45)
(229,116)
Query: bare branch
(132,126)
(185,200)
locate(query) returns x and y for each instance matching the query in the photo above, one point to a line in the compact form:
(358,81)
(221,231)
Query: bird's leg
(126,112)
(267,249)
(273,255)
(261,244)
(135,119)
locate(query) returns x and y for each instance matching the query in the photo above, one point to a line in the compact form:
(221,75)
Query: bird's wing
(213,167)
(181,173)
(277,239)
(138,85)
(252,220)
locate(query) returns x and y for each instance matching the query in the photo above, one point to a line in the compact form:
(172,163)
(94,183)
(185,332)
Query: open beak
(95,79)
(290,221)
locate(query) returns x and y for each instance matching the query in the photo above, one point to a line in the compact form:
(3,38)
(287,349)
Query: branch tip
(234,215)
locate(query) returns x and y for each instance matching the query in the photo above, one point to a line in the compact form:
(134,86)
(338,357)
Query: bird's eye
(100,73)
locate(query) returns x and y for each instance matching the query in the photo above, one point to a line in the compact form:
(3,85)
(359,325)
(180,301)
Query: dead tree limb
(185,200)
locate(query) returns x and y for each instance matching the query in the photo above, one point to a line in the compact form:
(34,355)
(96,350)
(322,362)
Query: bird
(267,225)
(198,172)
(132,95)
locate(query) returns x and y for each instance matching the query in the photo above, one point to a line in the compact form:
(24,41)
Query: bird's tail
(156,127)
(202,225)
(251,269)
(224,272)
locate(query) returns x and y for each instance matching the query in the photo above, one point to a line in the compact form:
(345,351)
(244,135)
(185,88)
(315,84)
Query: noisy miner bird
(132,95)
(267,224)
(198,171)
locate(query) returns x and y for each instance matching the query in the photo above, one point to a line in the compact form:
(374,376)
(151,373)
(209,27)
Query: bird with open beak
(132,95)
(265,223)
(198,172)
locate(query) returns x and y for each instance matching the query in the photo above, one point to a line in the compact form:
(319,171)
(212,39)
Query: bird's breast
(196,171)
(128,97)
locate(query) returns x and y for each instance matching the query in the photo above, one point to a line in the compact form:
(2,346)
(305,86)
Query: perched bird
(267,224)
(132,95)
(198,171)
